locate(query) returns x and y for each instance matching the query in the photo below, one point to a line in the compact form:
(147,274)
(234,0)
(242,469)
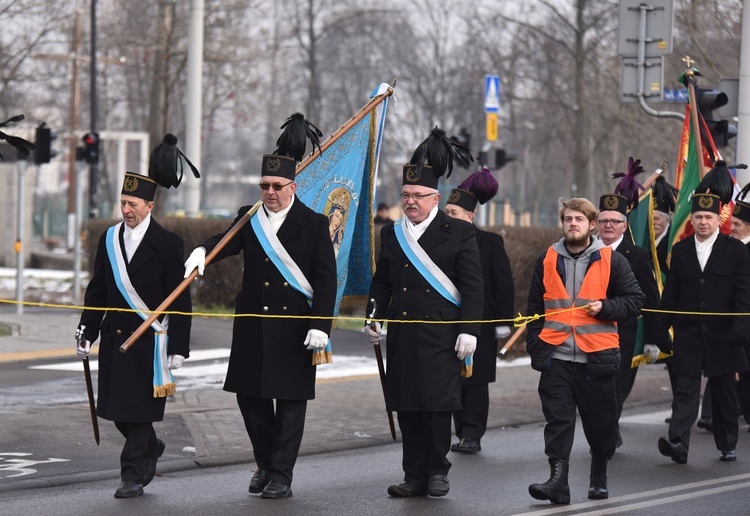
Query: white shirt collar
(133,236)
(277,218)
(617,242)
(419,228)
(703,249)
(745,240)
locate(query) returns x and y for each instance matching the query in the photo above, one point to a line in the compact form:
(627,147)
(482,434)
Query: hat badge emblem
(705,202)
(611,202)
(273,164)
(454,196)
(413,175)
(130,184)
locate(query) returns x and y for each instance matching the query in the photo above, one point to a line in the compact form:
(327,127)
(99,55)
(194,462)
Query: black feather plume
(718,181)
(165,163)
(439,151)
(665,194)
(23,146)
(293,140)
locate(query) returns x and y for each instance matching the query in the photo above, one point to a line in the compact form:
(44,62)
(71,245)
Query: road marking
(697,489)
(22,465)
(77,365)
(651,418)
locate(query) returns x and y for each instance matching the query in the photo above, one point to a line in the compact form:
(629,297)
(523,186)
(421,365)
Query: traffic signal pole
(93,167)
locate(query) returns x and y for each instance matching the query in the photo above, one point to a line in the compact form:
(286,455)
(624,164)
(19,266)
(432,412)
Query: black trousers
(686,402)
(565,387)
(624,381)
(276,435)
(471,420)
(426,440)
(140,441)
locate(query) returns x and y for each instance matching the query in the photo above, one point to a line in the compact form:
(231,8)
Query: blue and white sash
(288,268)
(424,264)
(163,380)
(278,254)
(433,274)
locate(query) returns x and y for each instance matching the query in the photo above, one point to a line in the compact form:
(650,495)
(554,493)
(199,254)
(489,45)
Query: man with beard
(582,287)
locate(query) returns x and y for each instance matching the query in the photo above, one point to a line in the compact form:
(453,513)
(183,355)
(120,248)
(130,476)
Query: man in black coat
(612,229)
(272,358)
(141,253)
(709,272)
(428,270)
(577,350)
(471,420)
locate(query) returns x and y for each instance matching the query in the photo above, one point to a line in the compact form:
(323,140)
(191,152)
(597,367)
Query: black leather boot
(598,480)
(555,489)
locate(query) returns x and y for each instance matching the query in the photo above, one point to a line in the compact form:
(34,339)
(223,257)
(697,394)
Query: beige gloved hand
(175,361)
(374,332)
(316,339)
(502,331)
(196,259)
(466,344)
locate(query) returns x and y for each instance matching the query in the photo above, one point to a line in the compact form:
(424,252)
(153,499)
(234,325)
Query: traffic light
(44,138)
(503,157)
(91,147)
(708,101)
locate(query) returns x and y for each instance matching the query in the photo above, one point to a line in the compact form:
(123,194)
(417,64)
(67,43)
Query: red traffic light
(91,147)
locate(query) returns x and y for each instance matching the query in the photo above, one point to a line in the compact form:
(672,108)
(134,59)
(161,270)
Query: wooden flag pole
(372,104)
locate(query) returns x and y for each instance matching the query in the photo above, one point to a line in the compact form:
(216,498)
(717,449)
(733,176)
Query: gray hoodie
(575,271)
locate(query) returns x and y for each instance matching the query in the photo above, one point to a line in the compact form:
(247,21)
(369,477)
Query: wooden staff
(515,338)
(372,104)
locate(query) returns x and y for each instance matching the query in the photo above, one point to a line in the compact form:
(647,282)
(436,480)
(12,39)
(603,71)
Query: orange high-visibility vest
(590,333)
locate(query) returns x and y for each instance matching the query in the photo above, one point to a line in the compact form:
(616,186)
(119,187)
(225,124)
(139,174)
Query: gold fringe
(162,391)
(322,357)
(467,371)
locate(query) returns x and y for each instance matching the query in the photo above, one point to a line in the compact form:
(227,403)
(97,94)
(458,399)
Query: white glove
(196,259)
(316,339)
(502,331)
(374,335)
(651,351)
(175,361)
(84,351)
(465,345)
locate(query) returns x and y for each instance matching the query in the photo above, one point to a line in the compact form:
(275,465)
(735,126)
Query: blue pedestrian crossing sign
(492,94)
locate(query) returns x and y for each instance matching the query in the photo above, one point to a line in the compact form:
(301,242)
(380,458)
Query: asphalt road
(493,482)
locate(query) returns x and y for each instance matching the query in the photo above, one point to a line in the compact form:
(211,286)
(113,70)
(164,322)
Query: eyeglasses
(276,186)
(611,222)
(416,197)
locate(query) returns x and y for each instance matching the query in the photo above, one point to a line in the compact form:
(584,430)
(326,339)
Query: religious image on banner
(340,184)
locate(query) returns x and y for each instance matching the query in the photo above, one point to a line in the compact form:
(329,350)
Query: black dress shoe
(438,485)
(677,451)
(468,445)
(150,470)
(258,481)
(406,490)
(706,423)
(454,446)
(129,490)
(276,489)
(728,456)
